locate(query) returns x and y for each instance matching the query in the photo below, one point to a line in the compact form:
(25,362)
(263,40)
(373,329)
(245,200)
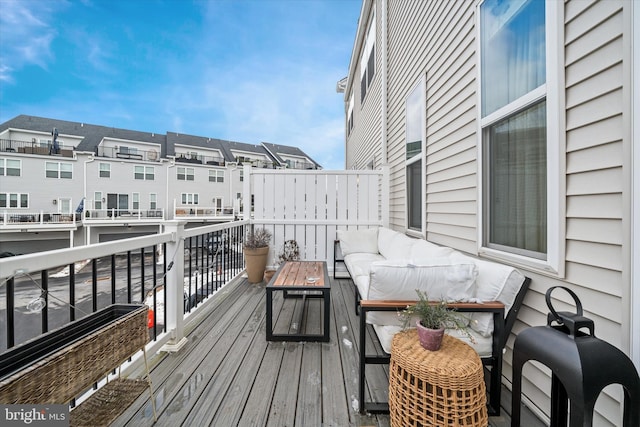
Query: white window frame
(153,201)
(189,199)
(135,201)
(4,164)
(148,173)
(61,168)
(18,197)
(368,46)
(553,91)
(104,170)
(97,200)
(420,86)
(188,174)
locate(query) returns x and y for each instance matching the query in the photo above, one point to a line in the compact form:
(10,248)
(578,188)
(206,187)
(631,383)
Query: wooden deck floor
(229,375)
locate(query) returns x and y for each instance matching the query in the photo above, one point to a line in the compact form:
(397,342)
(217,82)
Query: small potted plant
(432,319)
(256,251)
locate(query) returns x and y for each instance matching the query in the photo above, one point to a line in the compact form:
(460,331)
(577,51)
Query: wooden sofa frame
(502,327)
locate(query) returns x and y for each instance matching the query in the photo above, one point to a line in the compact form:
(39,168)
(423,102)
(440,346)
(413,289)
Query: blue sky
(241,70)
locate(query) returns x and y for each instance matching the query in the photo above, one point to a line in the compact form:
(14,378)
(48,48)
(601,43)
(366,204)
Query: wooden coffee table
(300,279)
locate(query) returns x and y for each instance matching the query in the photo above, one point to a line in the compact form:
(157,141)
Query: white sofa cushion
(394,245)
(358,241)
(439,278)
(422,250)
(495,282)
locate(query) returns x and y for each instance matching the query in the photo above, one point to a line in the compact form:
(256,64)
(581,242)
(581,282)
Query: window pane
(24,200)
(66,171)
(414,122)
(13,200)
(414,191)
(513,50)
(3,200)
(138,172)
(517,165)
(371,65)
(1,167)
(13,167)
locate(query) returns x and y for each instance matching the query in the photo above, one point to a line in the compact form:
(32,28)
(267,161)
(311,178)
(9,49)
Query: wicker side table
(435,388)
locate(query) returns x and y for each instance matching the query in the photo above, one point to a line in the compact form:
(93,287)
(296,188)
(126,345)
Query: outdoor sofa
(387,267)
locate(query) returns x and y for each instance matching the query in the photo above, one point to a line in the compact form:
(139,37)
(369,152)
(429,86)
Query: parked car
(217,243)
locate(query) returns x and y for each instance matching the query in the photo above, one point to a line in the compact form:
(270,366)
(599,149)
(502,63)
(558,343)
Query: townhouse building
(67,183)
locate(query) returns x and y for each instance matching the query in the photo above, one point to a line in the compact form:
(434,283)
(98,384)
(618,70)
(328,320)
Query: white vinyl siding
(589,87)
(364,141)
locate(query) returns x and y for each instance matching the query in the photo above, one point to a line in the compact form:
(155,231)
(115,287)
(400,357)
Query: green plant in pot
(256,251)
(431,318)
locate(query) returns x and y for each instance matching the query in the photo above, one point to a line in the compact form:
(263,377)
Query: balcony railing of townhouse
(124,215)
(22,218)
(152,155)
(68,284)
(199,159)
(34,147)
(301,165)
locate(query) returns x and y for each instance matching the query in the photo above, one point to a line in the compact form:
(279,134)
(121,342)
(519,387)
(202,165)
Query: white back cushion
(394,245)
(495,282)
(439,278)
(354,241)
(422,250)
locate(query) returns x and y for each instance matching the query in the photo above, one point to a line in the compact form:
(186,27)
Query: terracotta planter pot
(430,339)
(268,274)
(256,262)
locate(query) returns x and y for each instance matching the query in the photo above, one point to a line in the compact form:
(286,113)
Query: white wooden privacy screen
(309,206)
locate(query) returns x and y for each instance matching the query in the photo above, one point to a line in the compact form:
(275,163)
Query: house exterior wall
(361,151)
(437,41)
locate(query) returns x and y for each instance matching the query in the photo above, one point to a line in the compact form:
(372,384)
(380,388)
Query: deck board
(228,374)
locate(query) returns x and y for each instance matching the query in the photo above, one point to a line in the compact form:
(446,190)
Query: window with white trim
(185,174)
(216,175)
(10,167)
(105,170)
(189,198)
(146,173)
(135,201)
(415,110)
(515,114)
(14,200)
(153,201)
(58,170)
(97,200)
(368,58)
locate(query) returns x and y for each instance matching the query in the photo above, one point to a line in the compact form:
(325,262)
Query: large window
(414,141)
(216,175)
(185,174)
(14,200)
(514,116)
(58,170)
(189,198)
(146,173)
(368,58)
(10,167)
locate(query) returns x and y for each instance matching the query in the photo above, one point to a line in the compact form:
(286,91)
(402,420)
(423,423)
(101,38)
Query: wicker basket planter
(59,365)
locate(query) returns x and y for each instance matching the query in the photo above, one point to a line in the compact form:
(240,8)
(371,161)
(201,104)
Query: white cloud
(26,35)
